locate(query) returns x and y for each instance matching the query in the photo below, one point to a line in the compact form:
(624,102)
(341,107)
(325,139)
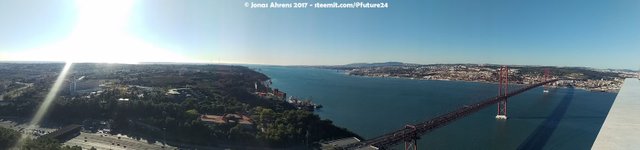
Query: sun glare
(101,35)
(46,103)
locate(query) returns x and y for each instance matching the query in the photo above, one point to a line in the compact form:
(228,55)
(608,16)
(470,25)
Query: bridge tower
(546,78)
(503,89)
(411,141)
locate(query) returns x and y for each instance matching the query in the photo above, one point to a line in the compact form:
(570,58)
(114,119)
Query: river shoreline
(471,81)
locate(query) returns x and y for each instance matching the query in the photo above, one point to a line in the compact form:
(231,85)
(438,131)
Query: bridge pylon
(411,142)
(503,89)
(546,78)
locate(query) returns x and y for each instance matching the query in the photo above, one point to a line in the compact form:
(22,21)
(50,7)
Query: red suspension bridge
(411,133)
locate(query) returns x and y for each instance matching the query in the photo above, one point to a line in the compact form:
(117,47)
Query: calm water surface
(564,118)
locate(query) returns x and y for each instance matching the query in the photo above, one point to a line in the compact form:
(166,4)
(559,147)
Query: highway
(114,142)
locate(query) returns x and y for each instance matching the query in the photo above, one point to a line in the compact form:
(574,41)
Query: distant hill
(382,64)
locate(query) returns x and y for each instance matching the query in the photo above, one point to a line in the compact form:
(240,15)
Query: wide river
(564,118)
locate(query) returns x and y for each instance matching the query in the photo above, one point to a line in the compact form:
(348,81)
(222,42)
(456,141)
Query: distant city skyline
(588,33)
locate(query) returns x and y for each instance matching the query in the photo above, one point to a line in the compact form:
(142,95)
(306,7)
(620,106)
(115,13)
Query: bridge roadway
(411,132)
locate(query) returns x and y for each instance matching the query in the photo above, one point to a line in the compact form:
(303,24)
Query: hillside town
(583,78)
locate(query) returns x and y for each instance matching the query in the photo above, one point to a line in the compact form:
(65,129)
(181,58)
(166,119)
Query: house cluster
(227,119)
(263,90)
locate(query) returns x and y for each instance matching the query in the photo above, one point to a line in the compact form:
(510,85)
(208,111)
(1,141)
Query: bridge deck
(621,128)
(416,130)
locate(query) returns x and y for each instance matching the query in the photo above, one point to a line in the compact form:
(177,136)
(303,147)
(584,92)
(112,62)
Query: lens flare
(48,100)
(101,34)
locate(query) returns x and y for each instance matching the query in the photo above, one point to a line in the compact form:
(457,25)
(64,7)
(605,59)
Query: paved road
(16,91)
(113,142)
(22,128)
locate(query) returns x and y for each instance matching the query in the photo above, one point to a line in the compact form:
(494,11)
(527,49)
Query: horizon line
(294,65)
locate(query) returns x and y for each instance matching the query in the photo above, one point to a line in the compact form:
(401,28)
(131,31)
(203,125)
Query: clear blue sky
(593,33)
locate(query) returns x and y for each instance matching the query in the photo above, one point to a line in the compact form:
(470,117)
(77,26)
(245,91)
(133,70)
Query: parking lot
(113,142)
(22,128)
